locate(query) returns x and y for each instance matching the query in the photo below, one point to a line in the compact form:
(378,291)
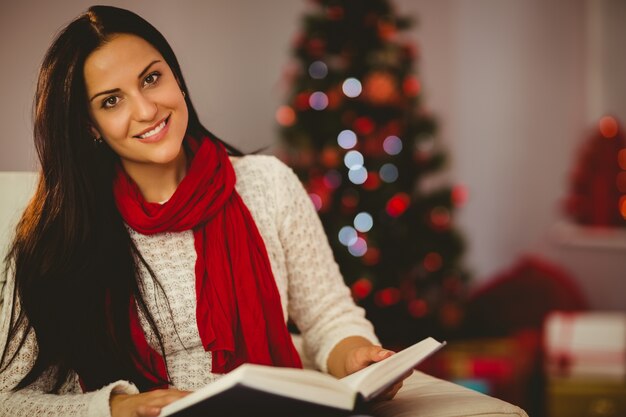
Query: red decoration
(380,88)
(285,116)
(316,48)
(418,308)
(433,262)
(334,13)
(598,181)
(398,204)
(608,127)
(349,200)
(411,86)
(440,218)
(330,157)
(371,257)
(364,125)
(302,100)
(460,195)
(387,297)
(372,182)
(386,30)
(361,288)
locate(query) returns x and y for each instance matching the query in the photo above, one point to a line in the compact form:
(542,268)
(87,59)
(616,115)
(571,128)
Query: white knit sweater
(311,289)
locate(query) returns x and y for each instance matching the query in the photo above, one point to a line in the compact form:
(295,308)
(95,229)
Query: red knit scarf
(239,313)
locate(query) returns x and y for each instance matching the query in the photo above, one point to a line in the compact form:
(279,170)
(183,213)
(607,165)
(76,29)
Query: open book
(264,390)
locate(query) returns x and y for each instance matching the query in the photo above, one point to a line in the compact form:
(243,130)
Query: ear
(94,132)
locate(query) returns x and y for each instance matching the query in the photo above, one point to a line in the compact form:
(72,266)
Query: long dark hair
(74,263)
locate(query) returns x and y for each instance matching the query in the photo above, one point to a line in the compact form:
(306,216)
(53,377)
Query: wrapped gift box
(500,367)
(586,345)
(574,397)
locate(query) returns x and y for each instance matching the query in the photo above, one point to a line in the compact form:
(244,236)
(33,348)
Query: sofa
(421,394)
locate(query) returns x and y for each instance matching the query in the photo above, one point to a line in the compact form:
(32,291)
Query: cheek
(114,126)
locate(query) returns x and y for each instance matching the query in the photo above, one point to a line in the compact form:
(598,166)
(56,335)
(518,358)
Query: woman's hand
(146,404)
(355,353)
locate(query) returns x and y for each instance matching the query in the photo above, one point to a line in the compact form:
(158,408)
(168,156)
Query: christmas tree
(355,131)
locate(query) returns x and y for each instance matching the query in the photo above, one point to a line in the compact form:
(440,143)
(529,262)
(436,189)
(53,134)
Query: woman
(139,270)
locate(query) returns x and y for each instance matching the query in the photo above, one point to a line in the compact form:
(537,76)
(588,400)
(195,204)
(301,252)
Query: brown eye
(151,78)
(110,102)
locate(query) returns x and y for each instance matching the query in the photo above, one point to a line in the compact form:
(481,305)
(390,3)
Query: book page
(374,379)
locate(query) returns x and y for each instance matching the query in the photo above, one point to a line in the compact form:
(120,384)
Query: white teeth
(153,131)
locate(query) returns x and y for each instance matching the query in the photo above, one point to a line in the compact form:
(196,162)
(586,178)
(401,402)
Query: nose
(145,109)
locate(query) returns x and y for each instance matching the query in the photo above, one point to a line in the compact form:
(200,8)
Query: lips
(153,130)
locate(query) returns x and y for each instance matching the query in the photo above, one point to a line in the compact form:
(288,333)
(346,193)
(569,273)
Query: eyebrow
(117,90)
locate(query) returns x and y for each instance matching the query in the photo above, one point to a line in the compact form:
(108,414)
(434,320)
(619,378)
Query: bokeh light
(347,139)
(608,127)
(372,182)
(361,288)
(317,201)
(351,87)
(350,199)
(348,235)
(353,159)
(418,308)
(411,86)
(622,206)
(398,204)
(363,222)
(440,217)
(372,256)
(460,195)
(318,70)
(387,297)
(364,125)
(318,101)
(388,173)
(358,248)
(357,175)
(433,262)
(285,116)
(392,145)
(332,179)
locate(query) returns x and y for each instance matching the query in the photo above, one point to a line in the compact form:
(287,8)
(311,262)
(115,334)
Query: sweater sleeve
(320,303)
(34,401)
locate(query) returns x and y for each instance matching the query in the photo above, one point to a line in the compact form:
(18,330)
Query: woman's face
(135,102)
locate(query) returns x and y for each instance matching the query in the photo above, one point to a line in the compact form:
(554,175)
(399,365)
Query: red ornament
(440,218)
(361,288)
(460,195)
(372,182)
(371,257)
(417,308)
(398,204)
(380,88)
(330,157)
(386,30)
(387,297)
(349,201)
(411,86)
(608,127)
(316,48)
(364,125)
(302,100)
(334,13)
(433,262)
(285,116)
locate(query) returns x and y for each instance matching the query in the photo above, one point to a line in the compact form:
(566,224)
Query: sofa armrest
(424,395)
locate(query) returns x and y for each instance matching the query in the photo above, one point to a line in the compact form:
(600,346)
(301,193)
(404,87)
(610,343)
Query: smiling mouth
(154,131)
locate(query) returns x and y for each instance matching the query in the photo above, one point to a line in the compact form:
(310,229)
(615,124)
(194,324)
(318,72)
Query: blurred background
(523,100)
